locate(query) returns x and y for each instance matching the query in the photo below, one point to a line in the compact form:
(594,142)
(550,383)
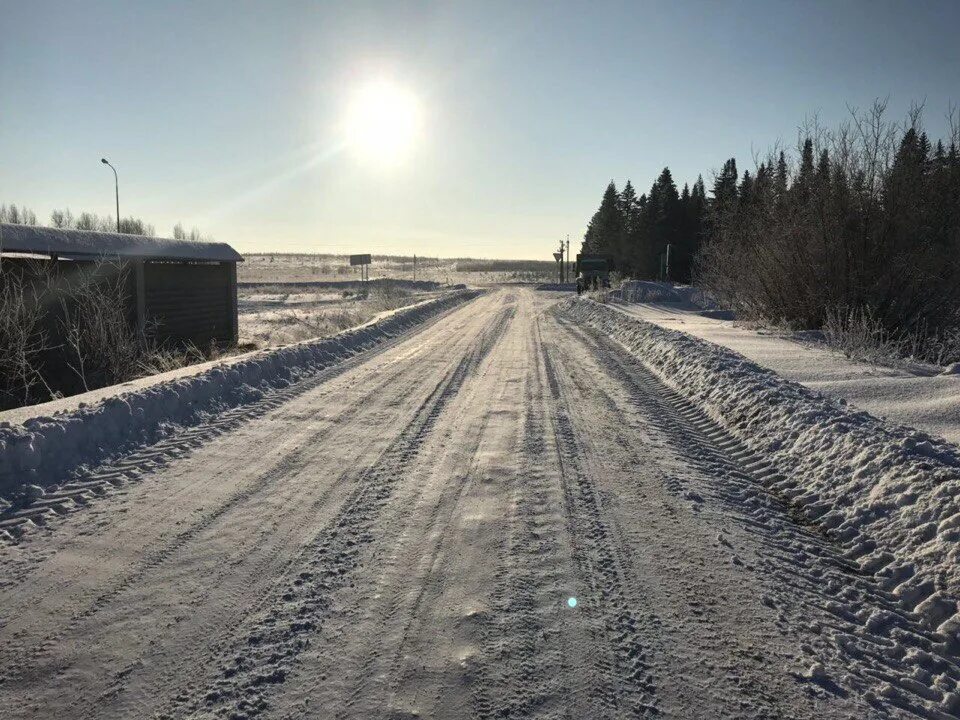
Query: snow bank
(43,450)
(560,287)
(648,291)
(888,494)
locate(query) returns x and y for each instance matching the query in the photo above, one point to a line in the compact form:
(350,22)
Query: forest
(857,229)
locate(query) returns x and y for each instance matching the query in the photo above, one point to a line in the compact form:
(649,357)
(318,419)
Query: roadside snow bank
(661,292)
(888,494)
(43,450)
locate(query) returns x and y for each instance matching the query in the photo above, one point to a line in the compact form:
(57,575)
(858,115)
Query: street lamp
(116,185)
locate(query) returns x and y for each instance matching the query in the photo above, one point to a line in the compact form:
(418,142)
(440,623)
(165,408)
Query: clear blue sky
(225,114)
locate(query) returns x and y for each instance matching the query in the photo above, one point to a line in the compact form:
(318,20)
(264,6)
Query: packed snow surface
(502,513)
(648,291)
(889,494)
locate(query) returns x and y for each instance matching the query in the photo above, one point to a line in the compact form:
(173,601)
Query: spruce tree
(746,188)
(632,208)
(806,159)
(606,227)
(725,190)
(780,179)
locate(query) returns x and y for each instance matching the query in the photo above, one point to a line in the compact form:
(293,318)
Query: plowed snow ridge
(888,494)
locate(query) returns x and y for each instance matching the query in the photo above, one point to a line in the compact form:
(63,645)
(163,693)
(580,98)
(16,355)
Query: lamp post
(116,185)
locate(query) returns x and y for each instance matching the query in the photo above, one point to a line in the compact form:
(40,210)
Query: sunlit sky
(240,117)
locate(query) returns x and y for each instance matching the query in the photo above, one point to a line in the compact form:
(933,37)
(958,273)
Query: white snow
(86,243)
(914,395)
(415,523)
(47,442)
(888,494)
(646,291)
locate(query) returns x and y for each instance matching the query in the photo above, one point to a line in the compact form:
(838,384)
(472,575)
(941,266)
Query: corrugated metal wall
(190,302)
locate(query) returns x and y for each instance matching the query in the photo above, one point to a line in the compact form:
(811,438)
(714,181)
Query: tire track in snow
(31,664)
(429,536)
(81,488)
(887,654)
(27,662)
(628,682)
(523,671)
(266,652)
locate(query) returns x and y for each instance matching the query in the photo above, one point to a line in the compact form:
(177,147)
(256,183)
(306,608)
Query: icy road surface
(502,515)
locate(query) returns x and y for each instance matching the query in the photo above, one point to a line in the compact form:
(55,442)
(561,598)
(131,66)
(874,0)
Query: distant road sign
(558,256)
(359,259)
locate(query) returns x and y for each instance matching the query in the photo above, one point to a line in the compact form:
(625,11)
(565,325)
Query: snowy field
(277,314)
(288,298)
(275,268)
(507,504)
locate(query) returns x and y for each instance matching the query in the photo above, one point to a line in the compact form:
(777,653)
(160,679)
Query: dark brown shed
(184,291)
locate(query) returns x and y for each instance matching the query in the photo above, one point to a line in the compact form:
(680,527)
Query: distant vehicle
(593,272)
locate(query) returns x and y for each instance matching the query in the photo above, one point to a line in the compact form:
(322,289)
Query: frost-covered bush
(865,221)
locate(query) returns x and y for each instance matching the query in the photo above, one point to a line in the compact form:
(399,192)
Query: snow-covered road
(504,514)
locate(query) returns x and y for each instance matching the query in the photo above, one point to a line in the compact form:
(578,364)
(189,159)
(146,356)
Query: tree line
(22,215)
(859,223)
(634,232)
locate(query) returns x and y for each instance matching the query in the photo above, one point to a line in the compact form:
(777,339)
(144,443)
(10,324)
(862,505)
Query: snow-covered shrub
(865,216)
(23,339)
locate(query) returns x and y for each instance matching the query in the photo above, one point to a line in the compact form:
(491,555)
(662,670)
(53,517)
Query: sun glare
(382,123)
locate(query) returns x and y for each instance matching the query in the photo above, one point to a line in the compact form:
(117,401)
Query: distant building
(176,291)
(185,291)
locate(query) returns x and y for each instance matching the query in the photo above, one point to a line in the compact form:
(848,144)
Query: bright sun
(382,122)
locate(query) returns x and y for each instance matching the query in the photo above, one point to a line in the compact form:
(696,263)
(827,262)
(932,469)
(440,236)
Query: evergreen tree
(823,169)
(628,199)
(761,184)
(668,218)
(633,214)
(780,179)
(746,188)
(806,159)
(804,182)
(605,231)
(725,191)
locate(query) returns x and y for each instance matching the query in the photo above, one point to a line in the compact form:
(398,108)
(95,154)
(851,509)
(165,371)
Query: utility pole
(561,262)
(568,257)
(667,272)
(414,267)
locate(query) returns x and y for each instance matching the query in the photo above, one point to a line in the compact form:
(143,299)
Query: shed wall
(190,302)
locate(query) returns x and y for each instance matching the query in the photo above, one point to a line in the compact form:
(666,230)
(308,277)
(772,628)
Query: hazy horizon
(239,118)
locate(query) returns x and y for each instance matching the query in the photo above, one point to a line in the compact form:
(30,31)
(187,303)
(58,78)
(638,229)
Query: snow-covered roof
(81,244)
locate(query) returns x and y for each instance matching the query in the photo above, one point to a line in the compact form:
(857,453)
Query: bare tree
(62,219)
(102,347)
(17,216)
(179,233)
(22,337)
